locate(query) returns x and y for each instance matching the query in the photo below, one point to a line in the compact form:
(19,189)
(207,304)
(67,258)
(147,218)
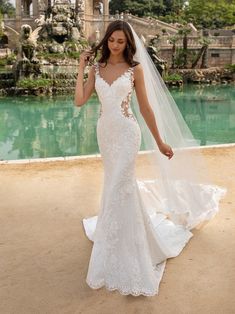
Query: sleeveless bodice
(115,98)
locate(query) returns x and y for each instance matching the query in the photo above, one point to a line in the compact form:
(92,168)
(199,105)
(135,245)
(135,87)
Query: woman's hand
(84,58)
(166,150)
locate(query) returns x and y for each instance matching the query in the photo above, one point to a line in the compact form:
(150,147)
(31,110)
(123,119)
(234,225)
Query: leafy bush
(34,83)
(11,58)
(51,56)
(174,77)
(7,60)
(231,67)
(74,54)
(3,62)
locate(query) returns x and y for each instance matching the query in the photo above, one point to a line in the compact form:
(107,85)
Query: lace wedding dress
(131,241)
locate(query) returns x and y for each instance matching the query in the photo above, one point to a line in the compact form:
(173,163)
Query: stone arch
(13,36)
(4,41)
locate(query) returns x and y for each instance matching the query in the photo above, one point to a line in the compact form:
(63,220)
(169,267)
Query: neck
(116,59)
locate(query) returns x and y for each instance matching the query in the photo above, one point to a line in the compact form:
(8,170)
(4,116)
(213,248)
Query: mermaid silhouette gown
(130,243)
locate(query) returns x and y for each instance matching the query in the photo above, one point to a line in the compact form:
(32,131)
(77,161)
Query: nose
(115,45)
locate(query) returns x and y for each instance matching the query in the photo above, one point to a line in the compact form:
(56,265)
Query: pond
(40,127)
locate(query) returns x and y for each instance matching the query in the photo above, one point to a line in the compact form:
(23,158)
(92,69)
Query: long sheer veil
(181,184)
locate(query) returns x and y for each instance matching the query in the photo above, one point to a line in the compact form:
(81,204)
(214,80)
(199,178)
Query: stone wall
(221,51)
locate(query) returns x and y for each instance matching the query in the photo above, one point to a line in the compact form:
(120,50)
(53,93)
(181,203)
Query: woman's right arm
(83,90)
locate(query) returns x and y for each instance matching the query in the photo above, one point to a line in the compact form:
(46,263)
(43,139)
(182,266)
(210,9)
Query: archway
(3,41)
(12,36)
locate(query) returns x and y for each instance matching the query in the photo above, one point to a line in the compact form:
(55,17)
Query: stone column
(233,50)
(88,18)
(26,5)
(35,9)
(106,13)
(18,9)
(18,15)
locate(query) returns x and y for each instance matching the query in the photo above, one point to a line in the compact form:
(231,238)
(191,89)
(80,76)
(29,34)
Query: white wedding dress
(131,240)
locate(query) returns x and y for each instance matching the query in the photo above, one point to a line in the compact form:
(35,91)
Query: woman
(131,239)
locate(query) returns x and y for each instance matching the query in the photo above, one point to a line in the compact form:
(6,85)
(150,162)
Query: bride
(141,223)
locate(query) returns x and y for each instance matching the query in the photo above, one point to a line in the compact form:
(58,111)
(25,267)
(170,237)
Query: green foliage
(59,56)
(231,67)
(6,7)
(7,60)
(179,59)
(74,54)
(34,83)
(174,77)
(83,42)
(203,14)
(147,7)
(3,62)
(11,59)
(210,13)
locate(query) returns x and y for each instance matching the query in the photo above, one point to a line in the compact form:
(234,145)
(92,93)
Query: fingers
(167,151)
(169,154)
(85,56)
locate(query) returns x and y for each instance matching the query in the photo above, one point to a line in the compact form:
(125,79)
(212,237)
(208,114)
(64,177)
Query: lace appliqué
(125,105)
(96,67)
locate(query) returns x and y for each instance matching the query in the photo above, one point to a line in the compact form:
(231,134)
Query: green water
(39,127)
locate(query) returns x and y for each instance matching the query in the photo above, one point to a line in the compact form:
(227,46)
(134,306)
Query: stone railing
(193,42)
(12,22)
(223,41)
(145,26)
(150,22)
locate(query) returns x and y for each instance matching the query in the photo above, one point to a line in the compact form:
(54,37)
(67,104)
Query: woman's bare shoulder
(138,70)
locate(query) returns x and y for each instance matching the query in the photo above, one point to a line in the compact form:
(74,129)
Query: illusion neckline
(115,80)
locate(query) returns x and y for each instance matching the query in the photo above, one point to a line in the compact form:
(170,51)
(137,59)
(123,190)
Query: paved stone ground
(44,252)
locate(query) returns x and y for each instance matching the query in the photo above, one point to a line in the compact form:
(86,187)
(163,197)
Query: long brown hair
(130,48)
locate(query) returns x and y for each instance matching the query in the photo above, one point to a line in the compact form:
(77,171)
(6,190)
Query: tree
(183,32)
(173,40)
(7,8)
(138,7)
(210,13)
(173,7)
(203,14)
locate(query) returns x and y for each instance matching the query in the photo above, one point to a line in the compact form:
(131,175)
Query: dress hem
(126,292)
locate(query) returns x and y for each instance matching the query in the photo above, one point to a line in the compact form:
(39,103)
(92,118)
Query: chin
(116,52)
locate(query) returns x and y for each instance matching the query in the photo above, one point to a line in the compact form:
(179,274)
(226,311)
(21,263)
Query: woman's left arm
(147,111)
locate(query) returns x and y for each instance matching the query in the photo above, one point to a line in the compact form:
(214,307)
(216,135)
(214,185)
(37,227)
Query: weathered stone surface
(208,76)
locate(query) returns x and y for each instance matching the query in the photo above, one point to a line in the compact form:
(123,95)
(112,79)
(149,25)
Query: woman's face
(117,42)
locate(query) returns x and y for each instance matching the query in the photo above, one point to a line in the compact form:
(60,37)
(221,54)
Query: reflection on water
(209,112)
(36,127)
(46,127)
